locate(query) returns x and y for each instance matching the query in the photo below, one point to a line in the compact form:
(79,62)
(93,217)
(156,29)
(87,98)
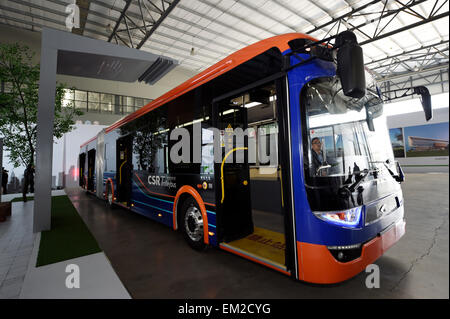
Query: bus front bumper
(317,265)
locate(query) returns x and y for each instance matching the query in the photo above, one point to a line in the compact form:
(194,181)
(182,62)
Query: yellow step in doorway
(263,246)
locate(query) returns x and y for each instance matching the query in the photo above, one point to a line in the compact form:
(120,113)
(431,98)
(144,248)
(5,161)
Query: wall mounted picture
(398,144)
(427,140)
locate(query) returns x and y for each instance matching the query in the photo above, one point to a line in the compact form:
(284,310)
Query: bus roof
(225,65)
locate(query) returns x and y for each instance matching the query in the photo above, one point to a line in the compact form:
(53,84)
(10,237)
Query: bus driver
(317,156)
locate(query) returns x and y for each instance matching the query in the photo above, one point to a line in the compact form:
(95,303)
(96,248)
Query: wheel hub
(193,222)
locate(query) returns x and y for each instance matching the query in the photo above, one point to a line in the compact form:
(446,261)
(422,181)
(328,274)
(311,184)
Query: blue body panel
(151,205)
(309,228)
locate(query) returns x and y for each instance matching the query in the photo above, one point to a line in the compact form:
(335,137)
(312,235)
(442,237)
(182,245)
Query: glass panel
(128,100)
(93,106)
(118,109)
(268,144)
(80,95)
(339,142)
(93,97)
(106,98)
(80,105)
(139,102)
(107,107)
(128,109)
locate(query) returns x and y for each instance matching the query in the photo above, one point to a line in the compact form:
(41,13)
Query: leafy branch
(19,104)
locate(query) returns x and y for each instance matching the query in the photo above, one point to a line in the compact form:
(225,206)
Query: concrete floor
(154,262)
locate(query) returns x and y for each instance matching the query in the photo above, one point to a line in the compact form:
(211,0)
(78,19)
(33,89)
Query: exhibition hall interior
(224,149)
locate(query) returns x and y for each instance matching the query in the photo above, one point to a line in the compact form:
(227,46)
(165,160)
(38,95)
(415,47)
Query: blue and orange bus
(319,200)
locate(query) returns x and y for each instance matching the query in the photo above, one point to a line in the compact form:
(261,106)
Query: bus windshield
(337,141)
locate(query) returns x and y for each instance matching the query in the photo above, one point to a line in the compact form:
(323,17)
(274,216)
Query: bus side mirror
(350,65)
(425,98)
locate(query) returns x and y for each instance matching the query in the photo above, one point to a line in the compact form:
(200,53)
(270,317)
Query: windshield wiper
(400,177)
(359,180)
(345,191)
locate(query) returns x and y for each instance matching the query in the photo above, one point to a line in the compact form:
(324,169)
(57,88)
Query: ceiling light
(252,104)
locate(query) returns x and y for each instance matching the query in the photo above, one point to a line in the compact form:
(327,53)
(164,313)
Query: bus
(318,198)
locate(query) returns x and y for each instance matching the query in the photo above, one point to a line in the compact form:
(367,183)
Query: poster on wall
(427,140)
(398,144)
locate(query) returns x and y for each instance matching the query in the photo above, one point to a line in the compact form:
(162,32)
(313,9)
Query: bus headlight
(350,217)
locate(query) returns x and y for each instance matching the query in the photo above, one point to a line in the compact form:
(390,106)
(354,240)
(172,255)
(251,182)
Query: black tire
(191,224)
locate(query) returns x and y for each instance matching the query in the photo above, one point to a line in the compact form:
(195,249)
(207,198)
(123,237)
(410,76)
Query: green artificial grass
(68,238)
(20,199)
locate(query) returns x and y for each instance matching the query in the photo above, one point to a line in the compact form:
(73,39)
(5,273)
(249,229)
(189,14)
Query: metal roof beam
(407,52)
(130,14)
(434,79)
(90,12)
(158,22)
(385,15)
(406,74)
(170,17)
(405,60)
(405,28)
(127,4)
(178,19)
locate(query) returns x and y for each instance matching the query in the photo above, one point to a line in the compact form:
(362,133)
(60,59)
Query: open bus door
(91,170)
(252,195)
(82,163)
(124,169)
(233,190)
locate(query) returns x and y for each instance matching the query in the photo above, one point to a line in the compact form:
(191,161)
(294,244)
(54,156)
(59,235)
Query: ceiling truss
(135,21)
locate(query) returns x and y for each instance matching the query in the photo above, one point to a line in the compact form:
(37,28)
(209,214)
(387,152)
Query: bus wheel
(192,224)
(109,195)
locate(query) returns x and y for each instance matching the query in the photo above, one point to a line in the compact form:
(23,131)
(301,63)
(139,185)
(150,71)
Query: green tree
(19,104)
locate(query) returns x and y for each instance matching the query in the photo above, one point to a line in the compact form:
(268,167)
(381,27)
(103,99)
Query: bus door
(233,187)
(91,170)
(253,214)
(124,169)
(82,163)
